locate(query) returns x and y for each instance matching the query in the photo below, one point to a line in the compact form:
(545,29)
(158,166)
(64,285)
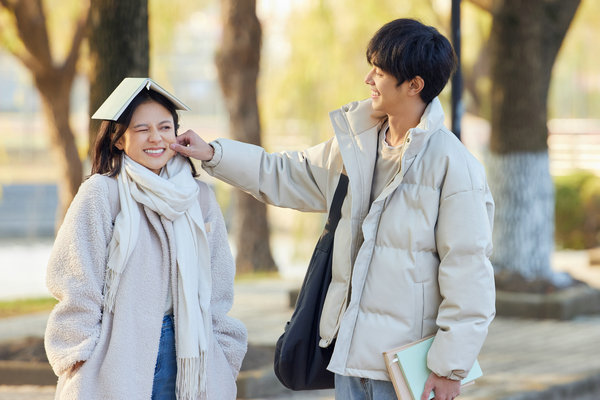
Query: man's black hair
(406,48)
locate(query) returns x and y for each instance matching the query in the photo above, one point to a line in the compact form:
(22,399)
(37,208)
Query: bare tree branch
(31,25)
(78,37)
(21,54)
(30,62)
(53,84)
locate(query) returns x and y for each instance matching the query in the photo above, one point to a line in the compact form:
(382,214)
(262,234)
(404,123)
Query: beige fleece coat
(413,263)
(120,349)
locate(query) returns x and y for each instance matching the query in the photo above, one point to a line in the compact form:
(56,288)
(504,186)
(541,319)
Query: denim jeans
(353,388)
(165,371)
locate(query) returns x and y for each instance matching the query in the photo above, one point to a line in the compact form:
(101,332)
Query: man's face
(387,96)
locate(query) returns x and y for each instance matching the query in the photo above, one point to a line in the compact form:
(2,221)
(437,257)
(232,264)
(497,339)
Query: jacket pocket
(221,380)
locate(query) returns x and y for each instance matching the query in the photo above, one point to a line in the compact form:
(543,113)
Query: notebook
(407,367)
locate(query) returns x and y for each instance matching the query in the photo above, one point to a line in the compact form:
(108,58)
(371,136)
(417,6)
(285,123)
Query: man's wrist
(217,154)
(454,376)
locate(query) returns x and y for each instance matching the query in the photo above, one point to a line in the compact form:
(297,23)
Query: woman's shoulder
(100,188)
(92,203)
(99,184)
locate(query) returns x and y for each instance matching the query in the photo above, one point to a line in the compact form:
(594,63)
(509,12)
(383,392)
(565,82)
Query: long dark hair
(106,157)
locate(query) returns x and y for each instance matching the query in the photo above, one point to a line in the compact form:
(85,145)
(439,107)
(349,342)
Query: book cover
(119,99)
(407,366)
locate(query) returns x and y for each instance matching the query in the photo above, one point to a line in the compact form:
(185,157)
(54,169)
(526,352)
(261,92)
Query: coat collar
(359,117)
(431,121)
(356,126)
(355,122)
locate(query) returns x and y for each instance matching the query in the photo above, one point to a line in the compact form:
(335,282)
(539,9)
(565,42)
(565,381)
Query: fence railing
(574,144)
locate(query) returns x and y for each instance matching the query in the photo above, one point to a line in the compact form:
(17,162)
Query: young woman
(143,273)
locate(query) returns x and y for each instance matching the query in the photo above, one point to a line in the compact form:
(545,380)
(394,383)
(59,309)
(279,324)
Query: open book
(407,366)
(119,99)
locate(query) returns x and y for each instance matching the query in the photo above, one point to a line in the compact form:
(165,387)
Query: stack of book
(407,366)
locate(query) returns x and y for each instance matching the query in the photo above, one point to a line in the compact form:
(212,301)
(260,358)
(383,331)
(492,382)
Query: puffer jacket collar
(431,121)
(356,126)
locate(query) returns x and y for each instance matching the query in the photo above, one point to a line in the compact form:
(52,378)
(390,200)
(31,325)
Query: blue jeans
(165,372)
(353,388)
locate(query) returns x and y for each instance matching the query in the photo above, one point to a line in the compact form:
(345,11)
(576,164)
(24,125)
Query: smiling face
(386,94)
(148,136)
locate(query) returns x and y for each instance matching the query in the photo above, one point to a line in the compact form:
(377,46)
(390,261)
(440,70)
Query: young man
(417,219)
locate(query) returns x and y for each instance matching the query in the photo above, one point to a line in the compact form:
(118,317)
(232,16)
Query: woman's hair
(406,48)
(106,157)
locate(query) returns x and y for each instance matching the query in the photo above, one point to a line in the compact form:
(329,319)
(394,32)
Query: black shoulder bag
(300,364)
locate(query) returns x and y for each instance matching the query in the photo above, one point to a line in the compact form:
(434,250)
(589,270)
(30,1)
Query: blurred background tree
(311,61)
(29,41)
(525,39)
(323,64)
(119,48)
(238,61)
(121,35)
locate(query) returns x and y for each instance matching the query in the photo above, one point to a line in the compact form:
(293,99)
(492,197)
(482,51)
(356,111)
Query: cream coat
(418,259)
(120,349)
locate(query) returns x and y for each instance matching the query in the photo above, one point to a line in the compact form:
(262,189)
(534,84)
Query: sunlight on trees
(325,63)
(575,85)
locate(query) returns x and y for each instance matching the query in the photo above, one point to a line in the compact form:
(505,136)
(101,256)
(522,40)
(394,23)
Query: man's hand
(190,144)
(443,388)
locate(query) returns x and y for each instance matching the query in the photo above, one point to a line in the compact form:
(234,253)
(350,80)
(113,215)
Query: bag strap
(335,212)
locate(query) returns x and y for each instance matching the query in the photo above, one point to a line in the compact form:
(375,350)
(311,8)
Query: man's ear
(415,85)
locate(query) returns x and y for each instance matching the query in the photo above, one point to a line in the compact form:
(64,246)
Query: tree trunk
(54,82)
(238,64)
(55,91)
(524,42)
(524,226)
(119,48)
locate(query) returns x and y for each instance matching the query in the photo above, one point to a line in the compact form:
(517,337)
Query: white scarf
(174,196)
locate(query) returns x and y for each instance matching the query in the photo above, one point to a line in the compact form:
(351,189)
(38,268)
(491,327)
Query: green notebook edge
(415,357)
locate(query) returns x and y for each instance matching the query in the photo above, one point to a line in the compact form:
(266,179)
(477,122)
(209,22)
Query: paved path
(521,359)
(519,355)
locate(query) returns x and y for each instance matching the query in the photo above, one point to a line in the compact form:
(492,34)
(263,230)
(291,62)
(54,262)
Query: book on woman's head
(119,99)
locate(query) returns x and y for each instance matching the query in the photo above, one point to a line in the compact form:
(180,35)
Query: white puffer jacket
(418,259)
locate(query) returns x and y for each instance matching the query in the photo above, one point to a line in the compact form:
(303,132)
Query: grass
(13,308)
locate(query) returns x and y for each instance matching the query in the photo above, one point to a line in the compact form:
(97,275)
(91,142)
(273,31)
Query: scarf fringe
(111,284)
(191,377)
